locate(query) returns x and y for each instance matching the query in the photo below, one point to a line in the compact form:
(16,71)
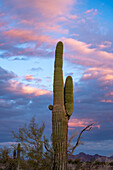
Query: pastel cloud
(88,11)
(107,101)
(52,7)
(72,16)
(29,77)
(25,43)
(105,44)
(98,63)
(19,88)
(81,123)
(99,73)
(109,77)
(25,35)
(109,94)
(93,11)
(83,51)
(103,75)
(50,15)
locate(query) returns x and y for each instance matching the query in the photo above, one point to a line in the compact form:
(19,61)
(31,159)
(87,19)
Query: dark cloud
(36,69)
(88,105)
(5,75)
(16,108)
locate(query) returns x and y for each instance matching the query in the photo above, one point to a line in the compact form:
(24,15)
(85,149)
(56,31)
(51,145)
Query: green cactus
(61,110)
(68,96)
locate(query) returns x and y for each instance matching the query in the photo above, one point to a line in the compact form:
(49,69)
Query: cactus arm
(58,89)
(68,96)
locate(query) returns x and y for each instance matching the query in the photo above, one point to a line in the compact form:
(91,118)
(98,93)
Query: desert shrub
(4,154)
(70,161)
(77,161)
(11,164)
(99,163)
(111,163)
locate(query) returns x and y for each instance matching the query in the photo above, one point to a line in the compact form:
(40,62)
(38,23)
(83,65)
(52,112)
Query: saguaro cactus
(61,110)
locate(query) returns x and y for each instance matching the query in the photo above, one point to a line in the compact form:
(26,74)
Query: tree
(32,141)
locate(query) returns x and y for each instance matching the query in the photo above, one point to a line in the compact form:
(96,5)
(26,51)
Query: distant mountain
(86,157)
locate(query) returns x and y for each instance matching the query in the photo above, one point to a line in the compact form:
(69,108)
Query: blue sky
(29,32)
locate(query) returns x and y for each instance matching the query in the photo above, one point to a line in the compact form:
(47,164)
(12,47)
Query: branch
(87,128)
(45,145)
(71,138)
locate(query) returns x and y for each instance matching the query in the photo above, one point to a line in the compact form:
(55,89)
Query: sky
(29,32)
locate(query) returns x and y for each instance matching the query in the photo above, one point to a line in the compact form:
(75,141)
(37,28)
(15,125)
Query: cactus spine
(61,110)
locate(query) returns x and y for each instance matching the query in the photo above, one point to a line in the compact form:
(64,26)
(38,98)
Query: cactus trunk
(59,114)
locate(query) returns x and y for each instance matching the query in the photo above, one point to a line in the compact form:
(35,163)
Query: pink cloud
(49,13)
(29,77)
(50,27)
(83,21)
(46,8)
(91,73)
(105,44)
(53,27)
(89,11)
(2,14)
(107,101)
(25,35)
(81,123)
(108,77)
(19,88)
(2,44)
(54,8)
(78,46)
(109,94)
(83,54)
(103,75)
(99,62)
(73,17)
(93,11)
